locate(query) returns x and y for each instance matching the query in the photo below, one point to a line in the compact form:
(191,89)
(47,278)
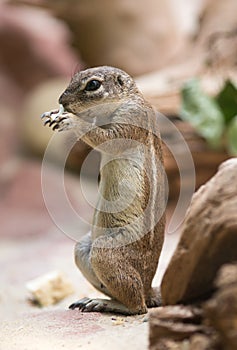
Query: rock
(208,239)
(175,323)
(221,309)
(167,344)
(171,330)
(203,342)
(226,275)
(178,313)
(50,288)
(197,342)
(208,326)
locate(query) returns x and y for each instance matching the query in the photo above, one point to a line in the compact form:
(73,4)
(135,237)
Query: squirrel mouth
(66,109)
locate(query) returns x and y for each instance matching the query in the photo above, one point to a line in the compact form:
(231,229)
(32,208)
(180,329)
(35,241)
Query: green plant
(214,118)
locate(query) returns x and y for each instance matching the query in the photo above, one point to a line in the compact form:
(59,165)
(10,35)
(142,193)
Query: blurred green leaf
(227,100)
(232,137)
(202,112)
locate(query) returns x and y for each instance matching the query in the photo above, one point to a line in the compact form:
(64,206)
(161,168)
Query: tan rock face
(174,322)
(208,240)
(221,309)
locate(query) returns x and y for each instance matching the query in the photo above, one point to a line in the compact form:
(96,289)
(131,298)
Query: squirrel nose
(64,99)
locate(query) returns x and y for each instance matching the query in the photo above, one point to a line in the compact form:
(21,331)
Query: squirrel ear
(120,80)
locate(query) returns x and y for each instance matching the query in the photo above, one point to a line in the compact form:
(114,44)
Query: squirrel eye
(93,85)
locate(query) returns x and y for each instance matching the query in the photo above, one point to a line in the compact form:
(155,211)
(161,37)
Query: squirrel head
(95,86)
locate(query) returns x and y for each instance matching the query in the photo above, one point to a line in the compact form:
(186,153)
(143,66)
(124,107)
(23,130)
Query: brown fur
(120,256)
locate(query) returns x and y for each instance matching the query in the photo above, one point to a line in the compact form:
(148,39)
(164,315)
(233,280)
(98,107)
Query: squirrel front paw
(58,119)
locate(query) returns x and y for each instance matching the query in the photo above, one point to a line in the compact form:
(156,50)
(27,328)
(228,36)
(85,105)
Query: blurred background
(162,44)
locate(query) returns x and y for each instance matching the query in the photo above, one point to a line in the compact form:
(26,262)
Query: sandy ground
(25,326)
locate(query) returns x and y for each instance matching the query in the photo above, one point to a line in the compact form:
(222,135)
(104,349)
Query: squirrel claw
(88,305)
(47,122)
(52,122)
(57,119)
(55,127)
(54,114)
(80,304)
(49,113)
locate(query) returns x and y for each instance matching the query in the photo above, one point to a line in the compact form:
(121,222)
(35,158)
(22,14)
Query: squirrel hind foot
(104,305)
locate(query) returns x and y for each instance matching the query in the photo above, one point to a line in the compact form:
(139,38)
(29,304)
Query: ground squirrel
(120,255)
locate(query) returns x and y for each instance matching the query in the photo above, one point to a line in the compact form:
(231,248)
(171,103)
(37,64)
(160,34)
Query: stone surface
(208,239)
(226,275)
(221,309)
(178,313)
(196,342)
(167,344)
(182,327)
(175,323)
(202,342)
(176,331)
